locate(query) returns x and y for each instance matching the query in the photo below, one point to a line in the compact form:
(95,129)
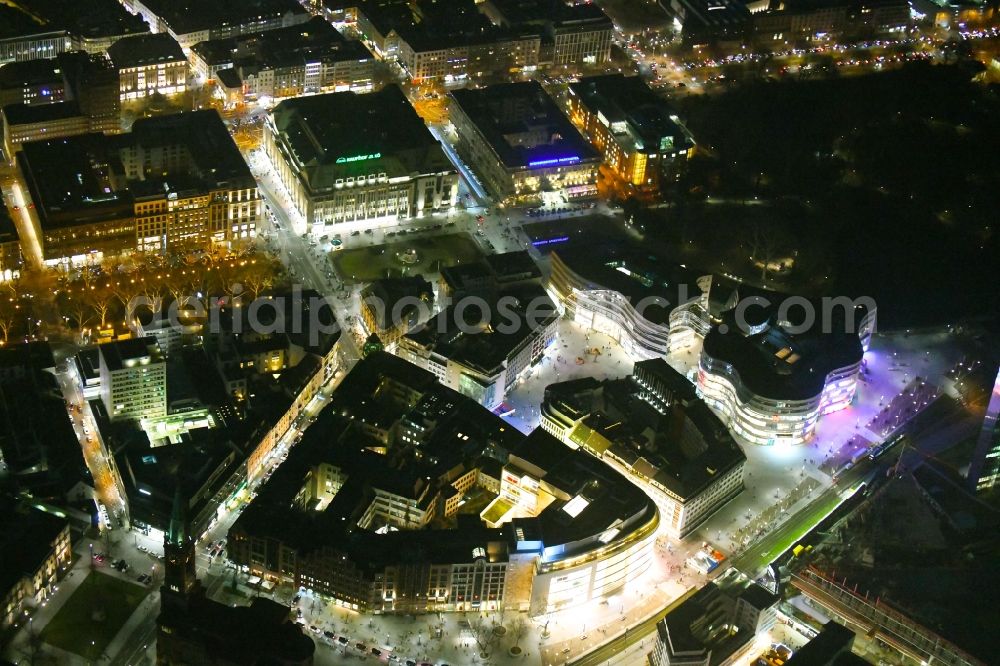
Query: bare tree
(9,312)
(482,632)
(518,628)
(765,247)
(100,299)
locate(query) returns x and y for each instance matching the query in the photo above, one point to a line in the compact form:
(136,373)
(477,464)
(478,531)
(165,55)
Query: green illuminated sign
(359,158)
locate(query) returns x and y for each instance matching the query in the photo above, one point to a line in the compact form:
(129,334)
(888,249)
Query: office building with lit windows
(172,182)
(717,625)
(349,158)
(652,426)
(650,307)
(193,22)
(286,62)
(133,379)
(520,144)
(573,34)
(984,472)
(640,136)
(772,385)
(148,65)
(482,357)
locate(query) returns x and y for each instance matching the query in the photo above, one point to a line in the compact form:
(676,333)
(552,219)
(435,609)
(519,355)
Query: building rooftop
(826,648)
(15,75)
(26,538)
(645,279)
(485,345)
(74,180)
(311,41)
(682,446)
(187,16)
(344,135)
(94,19)
(772,362)
(23,114)
(639,119)
(127,353)
(523,125)
(386,297)
(143,50)
(595,505)
(455,433)
(550,12)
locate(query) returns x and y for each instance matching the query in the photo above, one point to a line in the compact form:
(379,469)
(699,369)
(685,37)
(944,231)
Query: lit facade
(639,136)
(545,153)
(771,387)
(613,299)
(133,379)
(390,168)
(148,65)
(984,472)
(38,558)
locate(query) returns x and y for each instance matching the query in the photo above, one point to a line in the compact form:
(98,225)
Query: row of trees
(99,293)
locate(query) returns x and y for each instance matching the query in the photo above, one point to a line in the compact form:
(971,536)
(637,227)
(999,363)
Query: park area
(93,616)
(416,256)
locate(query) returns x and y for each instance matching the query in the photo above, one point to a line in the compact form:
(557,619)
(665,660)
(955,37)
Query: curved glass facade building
(771,385)
(648,308)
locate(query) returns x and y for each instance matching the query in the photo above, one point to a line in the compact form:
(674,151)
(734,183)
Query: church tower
(180,579)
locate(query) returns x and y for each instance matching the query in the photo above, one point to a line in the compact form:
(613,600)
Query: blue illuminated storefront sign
(553,161)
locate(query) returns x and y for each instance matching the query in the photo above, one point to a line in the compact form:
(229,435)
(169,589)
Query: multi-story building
(465,40)
(133,379)
(650,308)
(193,22)
(149,64)
(715,626)
(482,359)
(31,29)
(287,62)
(984,470)
(31,82)
(563,529)
(640,136)
(851,18)
(520,144)
(23,123)
(771,385)
(37,553)
(33,44)
(90,80)
(574,35)
(392,306)
(651,425)
(348,158)
(172,182)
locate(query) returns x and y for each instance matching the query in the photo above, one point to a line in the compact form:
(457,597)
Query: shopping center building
(652,426)
(650,307)
(347,158)
(772,384)
(520,144)
(379,507)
